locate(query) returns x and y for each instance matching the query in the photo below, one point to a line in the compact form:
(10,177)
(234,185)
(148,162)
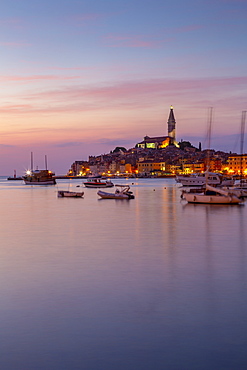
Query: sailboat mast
(46,162)
(242,142)
(31,161)
(210,117)
(242,131)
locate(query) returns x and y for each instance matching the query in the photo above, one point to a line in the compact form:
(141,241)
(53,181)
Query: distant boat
(39,177)
(69,194)
(14,177)
(98,183)
(122,192)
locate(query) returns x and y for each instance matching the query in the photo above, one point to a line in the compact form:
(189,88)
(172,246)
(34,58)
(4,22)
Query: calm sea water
(149,283)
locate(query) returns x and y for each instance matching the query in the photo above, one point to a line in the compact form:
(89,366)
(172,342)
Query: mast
(242,143)
(45,162)
(210,117)
(32,161)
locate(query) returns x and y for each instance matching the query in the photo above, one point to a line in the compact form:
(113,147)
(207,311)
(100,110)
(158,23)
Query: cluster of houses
(160,156)
(168,161)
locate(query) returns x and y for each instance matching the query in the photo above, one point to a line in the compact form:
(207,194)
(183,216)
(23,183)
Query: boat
(14,177)
(69,194)
(211,195)
(200,179)
(241,187)
(122,192)
(94,182)
(39,177)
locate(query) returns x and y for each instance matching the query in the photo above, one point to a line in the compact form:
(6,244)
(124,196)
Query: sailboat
(39,177)
(210,194)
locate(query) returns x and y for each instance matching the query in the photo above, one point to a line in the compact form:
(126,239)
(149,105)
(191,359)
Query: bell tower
(171,124)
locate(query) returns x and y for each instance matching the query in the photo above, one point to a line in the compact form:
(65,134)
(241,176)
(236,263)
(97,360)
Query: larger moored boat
(39,177)
(200,179)
(211,195)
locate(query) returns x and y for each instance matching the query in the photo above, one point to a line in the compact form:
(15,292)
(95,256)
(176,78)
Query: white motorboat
(122,192)
(98,183)
(69,194)
(200,179)
(211,195)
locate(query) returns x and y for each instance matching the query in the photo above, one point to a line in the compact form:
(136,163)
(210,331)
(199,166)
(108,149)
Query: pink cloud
(134,95)
(15,44)
(87,17)
(133,41)
(35,78)
(13,22)
(188,28)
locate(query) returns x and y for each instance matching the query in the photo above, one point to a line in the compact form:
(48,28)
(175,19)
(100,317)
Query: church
(160,142)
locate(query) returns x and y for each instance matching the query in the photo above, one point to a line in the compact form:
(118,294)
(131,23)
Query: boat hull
(105,195)
(98,185)
(211,199)
(69,194)
(45,182)
(15,178)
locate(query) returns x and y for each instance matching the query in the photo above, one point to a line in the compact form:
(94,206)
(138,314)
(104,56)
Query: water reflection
(143,284)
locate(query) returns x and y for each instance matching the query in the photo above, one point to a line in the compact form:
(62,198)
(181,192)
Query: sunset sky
(79,78)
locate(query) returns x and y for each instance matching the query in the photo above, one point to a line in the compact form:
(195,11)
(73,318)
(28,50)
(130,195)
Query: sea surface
(151,283)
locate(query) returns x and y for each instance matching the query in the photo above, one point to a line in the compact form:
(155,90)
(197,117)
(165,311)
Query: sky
(79,78)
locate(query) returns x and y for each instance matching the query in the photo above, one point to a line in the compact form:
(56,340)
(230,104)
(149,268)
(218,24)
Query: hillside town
(161,156)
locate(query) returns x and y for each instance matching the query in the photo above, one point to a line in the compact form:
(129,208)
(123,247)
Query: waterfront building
(237,164)
(148,166)
(78,168)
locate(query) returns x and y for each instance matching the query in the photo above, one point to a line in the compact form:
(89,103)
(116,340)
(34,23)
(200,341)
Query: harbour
(150,283)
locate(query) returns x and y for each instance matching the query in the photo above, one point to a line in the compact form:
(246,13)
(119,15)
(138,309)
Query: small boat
(14,177)
(122,192)
(69,194)
(39,177)
(200,179)
(211,195)
(94,182)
